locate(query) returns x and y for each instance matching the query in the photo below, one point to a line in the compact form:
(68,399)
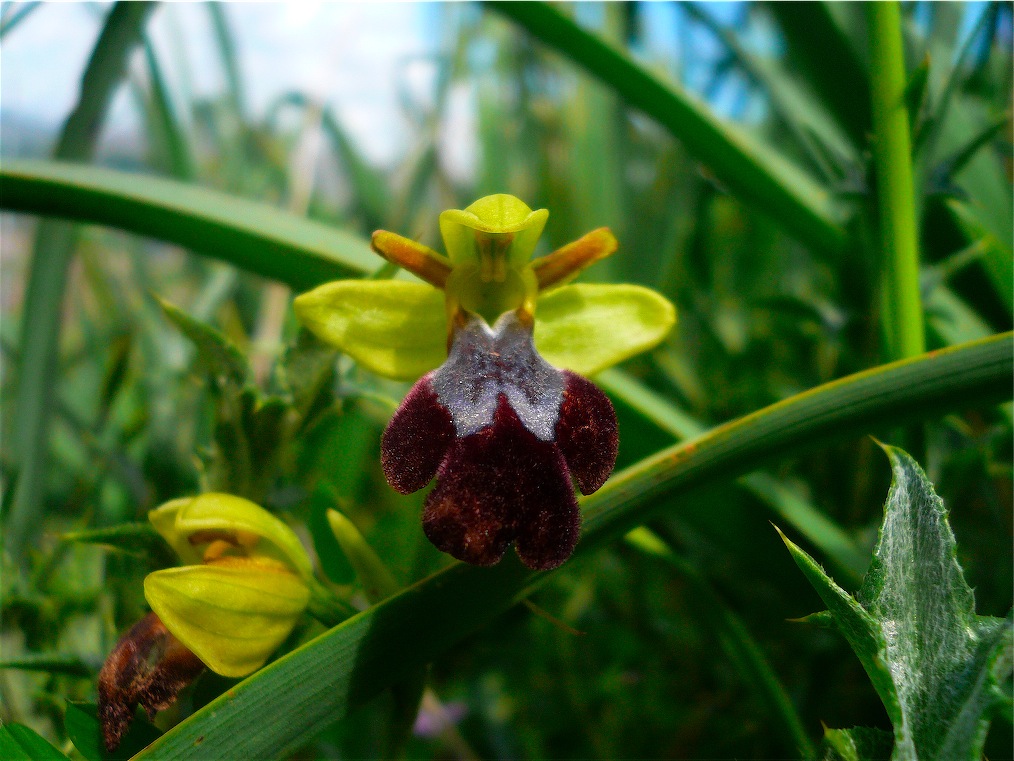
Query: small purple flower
(505,433)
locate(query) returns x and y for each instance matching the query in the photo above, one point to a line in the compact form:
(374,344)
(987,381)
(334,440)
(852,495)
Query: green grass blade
(177,151)
(20,743)
(51,257)
(52,663)
(804,517)
(755,174)
(232,133)
(251,235)
(226,48)
(280,707)
(801,113)
(904,333)
(368,184)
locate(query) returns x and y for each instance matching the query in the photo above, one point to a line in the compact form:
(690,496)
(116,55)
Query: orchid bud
(247,585)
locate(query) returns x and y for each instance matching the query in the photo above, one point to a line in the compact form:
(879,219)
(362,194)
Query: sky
(346,54)
(358,57)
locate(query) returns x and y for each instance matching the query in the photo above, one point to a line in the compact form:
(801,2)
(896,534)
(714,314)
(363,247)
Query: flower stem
(327,607)
(904,334)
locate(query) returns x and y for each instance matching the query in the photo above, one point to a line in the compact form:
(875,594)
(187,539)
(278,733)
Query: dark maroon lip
(507,436)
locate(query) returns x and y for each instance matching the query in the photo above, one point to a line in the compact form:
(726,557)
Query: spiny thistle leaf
(856,744)
(936,665)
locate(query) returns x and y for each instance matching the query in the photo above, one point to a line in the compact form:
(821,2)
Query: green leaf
(82,724)
(856,744)
(805,116)
(733,637)
(821,51)
(587,328)
(289,701)
(933,662)
(396,329)
(961,155)
(132,538)
(790,506)
(19,743)
(755,173)
(915,97)
(221,357)
(253,236)
(997,258)
(164,121)
(14,14)
(308,368)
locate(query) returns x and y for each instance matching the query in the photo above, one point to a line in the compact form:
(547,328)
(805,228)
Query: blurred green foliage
(139,415)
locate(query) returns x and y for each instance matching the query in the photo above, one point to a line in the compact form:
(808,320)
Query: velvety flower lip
(505,433)
(486,363)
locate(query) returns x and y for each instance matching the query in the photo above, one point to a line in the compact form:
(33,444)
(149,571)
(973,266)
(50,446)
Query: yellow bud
(233,613)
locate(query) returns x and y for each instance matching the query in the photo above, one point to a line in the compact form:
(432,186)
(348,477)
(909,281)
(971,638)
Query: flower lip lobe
(485,364)
(416,440)
(504,432)
(587,433)
(503,485)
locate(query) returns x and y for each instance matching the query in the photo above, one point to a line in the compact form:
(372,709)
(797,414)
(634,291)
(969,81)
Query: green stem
(51,257)
(325,606)
(902,310)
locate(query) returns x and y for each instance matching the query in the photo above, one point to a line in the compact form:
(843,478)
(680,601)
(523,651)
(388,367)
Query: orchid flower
(502,416)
